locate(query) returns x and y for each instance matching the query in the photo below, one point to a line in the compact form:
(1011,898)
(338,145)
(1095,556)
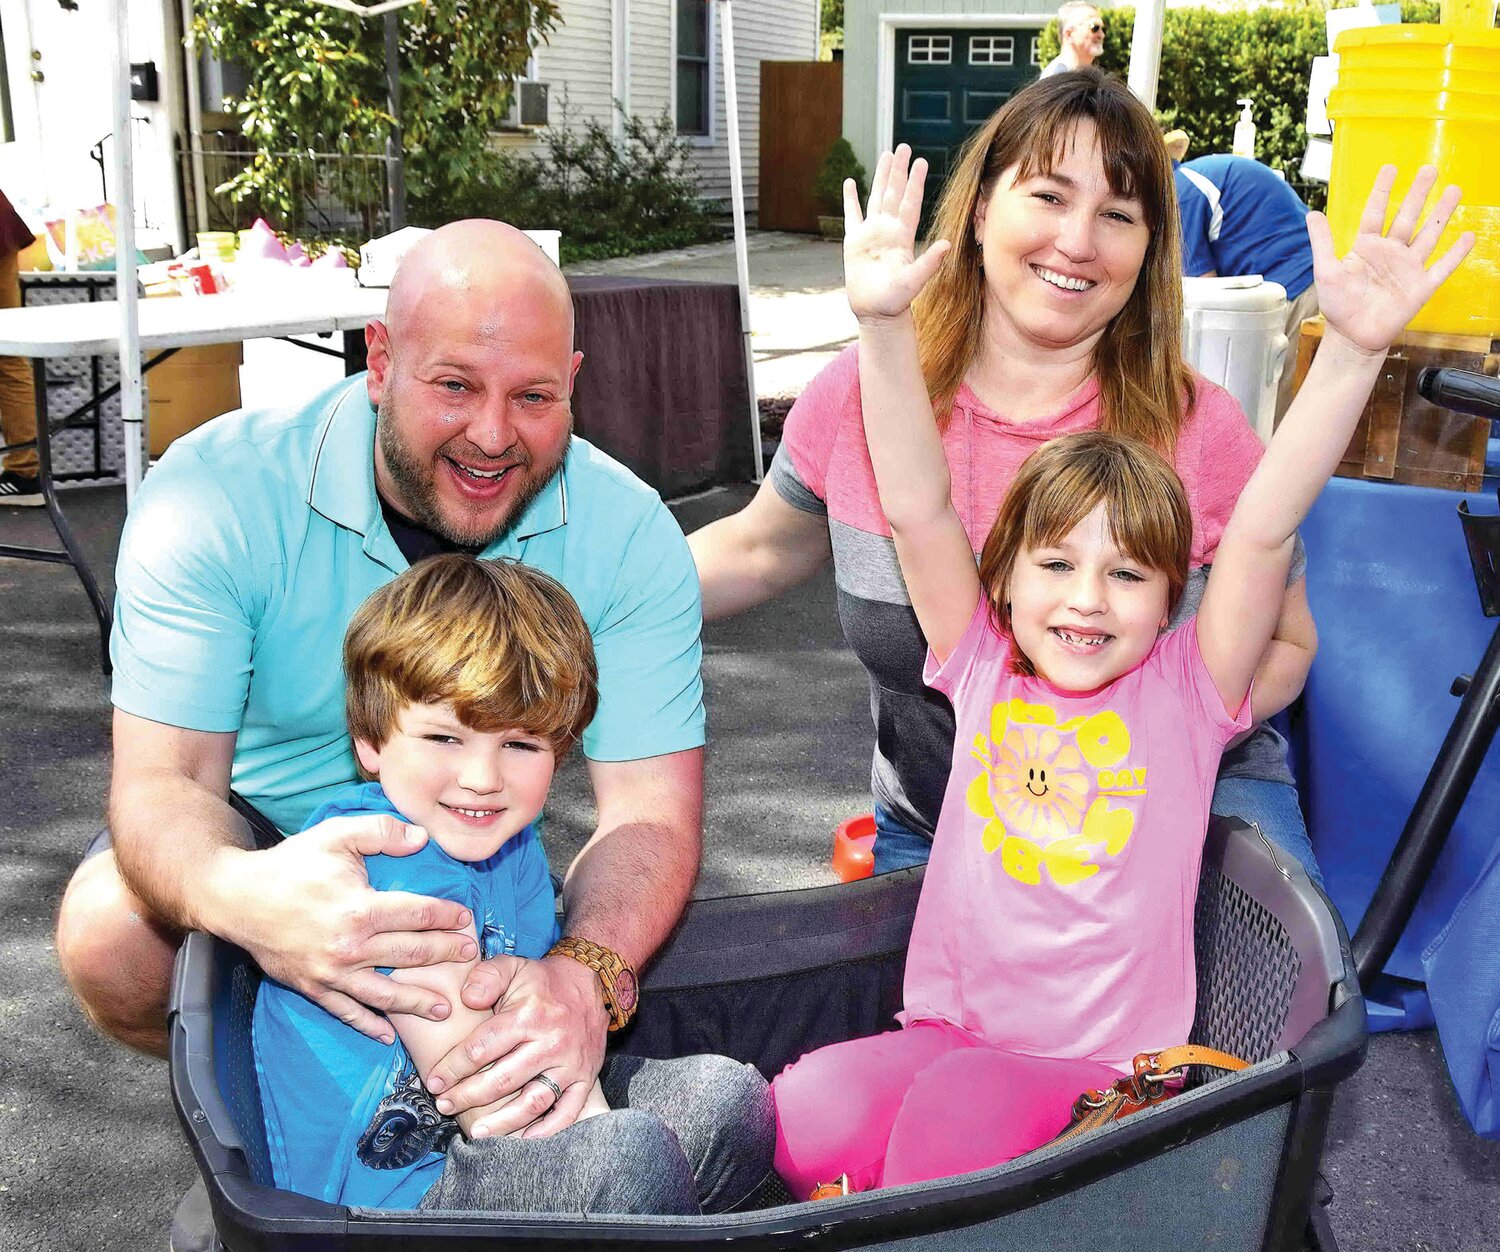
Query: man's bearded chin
(417,484)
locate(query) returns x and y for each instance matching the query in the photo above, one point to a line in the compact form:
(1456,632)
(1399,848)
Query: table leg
(60,523)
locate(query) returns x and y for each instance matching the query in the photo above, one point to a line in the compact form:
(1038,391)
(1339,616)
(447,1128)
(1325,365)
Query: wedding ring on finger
(556,1090)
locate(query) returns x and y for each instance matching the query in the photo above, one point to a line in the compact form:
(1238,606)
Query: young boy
(468,681)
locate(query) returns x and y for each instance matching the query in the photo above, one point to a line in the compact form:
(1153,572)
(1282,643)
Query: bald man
(245,555)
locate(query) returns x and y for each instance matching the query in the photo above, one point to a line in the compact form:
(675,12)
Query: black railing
(312,195)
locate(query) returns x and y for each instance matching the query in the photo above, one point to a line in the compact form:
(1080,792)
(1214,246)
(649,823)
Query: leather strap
(1154,1080)
(1188,1054)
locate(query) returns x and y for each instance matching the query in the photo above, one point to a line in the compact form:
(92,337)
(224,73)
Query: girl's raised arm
(1367,298)
(882,276)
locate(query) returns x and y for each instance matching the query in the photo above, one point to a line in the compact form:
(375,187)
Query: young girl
(1053,940)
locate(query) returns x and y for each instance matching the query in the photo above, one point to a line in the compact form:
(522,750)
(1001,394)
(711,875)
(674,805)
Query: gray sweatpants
(694,1135)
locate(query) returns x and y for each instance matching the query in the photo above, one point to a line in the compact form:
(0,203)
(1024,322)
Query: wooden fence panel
(801,115)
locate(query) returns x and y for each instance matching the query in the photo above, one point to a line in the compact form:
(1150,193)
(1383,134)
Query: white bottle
(1244,132)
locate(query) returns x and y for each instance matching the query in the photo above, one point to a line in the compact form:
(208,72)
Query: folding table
(166,325)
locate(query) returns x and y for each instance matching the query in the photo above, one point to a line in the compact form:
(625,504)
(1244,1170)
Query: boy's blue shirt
(345,1120)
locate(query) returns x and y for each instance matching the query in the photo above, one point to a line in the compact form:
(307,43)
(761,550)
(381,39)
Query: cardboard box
(191,387)
(1402,437)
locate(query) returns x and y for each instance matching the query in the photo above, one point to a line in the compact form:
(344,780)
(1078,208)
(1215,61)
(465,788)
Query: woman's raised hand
(1376,289)
(882,273)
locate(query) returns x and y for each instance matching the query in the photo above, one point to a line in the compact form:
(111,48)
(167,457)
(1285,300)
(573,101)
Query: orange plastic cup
(854,848)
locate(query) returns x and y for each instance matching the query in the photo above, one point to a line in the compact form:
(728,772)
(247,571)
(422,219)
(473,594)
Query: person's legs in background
(897,846)
(1302,308)
(1273,807)
(18,479)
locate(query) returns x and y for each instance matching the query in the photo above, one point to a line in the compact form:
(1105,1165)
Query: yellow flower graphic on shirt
(1039,790)
(1038,783)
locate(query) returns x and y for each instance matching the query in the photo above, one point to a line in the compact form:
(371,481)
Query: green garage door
(949,80)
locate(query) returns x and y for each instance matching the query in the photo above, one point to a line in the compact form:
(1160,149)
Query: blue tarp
(1463,984)
(1398,619)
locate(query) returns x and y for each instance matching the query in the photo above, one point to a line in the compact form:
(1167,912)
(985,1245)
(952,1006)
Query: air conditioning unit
(531,103)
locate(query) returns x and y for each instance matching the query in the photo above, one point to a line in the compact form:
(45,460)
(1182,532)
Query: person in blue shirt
(466,682)
(245,554)
(1240,217)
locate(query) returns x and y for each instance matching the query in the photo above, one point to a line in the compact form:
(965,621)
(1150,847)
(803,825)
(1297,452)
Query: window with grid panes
(692,67)
(992,50)
(930,50)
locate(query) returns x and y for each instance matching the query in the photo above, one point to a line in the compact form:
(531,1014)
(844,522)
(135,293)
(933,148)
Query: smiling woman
(1056,309)
(1065,250)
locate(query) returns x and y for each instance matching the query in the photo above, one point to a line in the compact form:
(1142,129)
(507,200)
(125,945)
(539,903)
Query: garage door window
(992,50)
(930,50)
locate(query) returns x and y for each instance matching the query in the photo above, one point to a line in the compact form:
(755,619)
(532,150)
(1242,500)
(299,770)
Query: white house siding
(862,29)
(764,30)
(575,62)
(651,64)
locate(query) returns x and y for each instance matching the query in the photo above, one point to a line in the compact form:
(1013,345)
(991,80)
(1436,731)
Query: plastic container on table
(1413,95)
(216,245)
(1234,334)
(549,241)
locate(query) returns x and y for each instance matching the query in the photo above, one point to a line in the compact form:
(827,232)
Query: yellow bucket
(1415,95)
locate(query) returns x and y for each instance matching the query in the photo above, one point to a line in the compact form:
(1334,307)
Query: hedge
(1210,58)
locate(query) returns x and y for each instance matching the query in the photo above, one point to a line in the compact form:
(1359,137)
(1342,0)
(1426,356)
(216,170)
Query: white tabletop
(93,329)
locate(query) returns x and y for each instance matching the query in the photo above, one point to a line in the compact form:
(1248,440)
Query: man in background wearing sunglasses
(1080,30)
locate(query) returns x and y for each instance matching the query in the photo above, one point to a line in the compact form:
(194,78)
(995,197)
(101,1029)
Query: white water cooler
(1234,334)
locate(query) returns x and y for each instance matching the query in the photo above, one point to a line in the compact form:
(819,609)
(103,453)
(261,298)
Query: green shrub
(1210,58)
(609,197)
(828,187)
(831,16)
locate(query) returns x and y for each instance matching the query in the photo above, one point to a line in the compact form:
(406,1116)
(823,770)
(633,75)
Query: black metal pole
(73,552)
(1431,819)
(395,162)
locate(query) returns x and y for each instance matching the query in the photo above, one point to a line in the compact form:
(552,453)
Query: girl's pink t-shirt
(1056,917)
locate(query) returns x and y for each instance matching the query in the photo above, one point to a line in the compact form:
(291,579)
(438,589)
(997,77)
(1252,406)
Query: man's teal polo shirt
(252,543)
